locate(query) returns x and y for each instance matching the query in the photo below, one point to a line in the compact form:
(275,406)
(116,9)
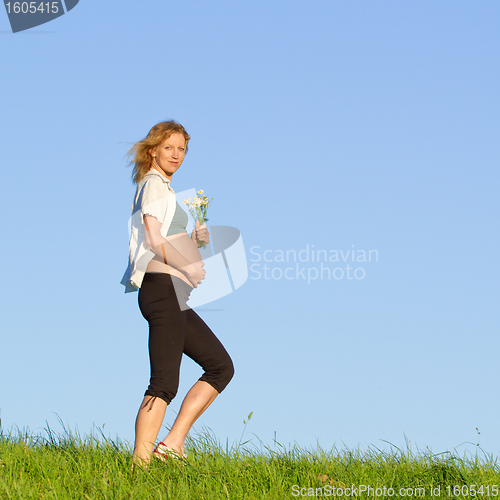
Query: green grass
(67,466)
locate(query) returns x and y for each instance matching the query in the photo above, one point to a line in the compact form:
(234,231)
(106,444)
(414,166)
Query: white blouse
(155,197)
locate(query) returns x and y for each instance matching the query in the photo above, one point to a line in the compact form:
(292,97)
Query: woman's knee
(219,375)
(229,371)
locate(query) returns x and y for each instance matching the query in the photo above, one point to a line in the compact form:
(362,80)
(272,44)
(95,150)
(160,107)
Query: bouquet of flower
(198,207)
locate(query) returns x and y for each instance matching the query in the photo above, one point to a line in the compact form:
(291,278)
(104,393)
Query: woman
(164,266)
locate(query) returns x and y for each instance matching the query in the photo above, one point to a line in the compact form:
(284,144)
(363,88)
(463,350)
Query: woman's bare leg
(197,400)
(147,425)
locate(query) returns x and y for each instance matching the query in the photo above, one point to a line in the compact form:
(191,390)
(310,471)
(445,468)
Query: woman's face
(170,154)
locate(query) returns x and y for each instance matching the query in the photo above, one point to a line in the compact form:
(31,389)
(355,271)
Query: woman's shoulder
(153,190)
(154,177)
(155,183)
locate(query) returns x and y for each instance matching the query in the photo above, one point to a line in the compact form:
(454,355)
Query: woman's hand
(195,273)
(200,233)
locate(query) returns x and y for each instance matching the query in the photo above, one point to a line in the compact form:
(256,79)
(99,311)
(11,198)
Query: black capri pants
(173,332)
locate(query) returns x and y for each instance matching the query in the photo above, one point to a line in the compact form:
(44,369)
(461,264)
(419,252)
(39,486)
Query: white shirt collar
(153,171)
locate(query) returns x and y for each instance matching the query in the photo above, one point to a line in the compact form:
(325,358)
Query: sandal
(162,451)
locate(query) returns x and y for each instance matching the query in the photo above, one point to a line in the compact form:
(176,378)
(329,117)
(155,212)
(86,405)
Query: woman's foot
(164,452)
(139,464)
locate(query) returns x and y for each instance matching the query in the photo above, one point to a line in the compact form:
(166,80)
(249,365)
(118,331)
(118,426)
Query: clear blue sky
(343,125)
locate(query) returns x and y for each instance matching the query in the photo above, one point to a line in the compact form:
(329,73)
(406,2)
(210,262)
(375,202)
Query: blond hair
(156,136)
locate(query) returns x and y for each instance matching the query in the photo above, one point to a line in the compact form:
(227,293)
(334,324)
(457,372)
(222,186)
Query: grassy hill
(68,466)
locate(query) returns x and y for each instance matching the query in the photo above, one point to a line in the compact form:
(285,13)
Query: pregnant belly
(185,246)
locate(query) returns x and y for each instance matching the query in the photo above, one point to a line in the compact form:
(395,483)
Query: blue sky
(338,125)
